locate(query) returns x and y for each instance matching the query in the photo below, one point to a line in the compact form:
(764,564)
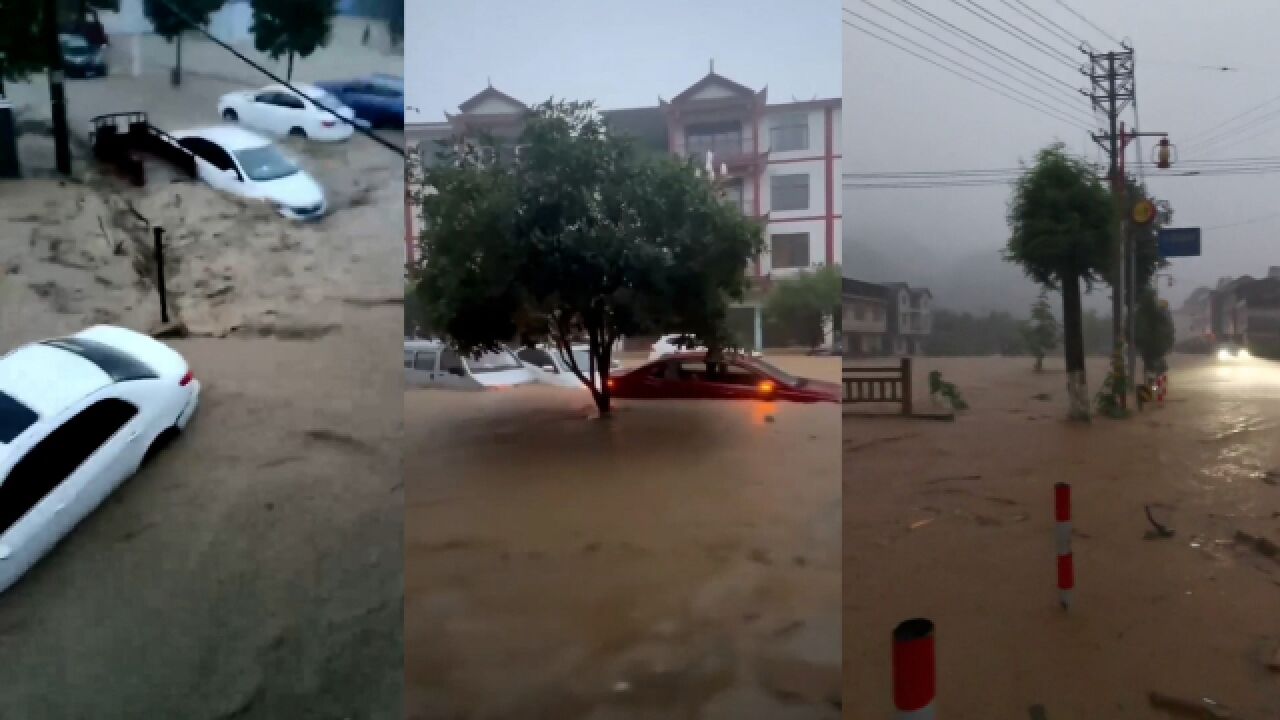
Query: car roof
(305,88)
(230,137)
(49,379)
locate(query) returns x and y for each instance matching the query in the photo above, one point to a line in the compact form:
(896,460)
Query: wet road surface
(953,521)
(679,560)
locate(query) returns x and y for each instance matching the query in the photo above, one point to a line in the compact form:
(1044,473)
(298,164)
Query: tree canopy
(289,27)
(169,24)
(579,237)
(799,305)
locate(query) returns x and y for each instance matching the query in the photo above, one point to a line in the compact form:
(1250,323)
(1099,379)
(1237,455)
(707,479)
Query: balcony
(736,153)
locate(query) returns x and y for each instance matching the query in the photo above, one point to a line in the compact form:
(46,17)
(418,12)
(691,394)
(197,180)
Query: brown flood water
(954,522)
(679,560)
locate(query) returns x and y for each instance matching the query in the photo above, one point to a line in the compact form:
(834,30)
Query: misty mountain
(978,282)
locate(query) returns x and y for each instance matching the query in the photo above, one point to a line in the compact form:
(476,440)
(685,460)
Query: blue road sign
(1178,242)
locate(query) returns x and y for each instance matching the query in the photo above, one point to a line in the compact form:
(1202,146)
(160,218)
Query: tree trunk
(177,63)
(1039,363)
(1073,347)
(289,73)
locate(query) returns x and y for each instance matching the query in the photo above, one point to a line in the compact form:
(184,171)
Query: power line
(942,22)
(1030,39)
(1038,87)
(1053,54)
(1204,135)
(1089,22)
(1020,99)
(1223,139)
(1071,37)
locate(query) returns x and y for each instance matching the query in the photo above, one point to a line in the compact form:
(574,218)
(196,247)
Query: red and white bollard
(1062,541)
(914,678)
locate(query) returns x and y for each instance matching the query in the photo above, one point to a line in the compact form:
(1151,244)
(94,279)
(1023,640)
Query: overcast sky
(621,54)
(902,114)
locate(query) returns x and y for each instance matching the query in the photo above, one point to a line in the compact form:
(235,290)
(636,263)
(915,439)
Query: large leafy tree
(584,237)
(800,305)
(1153,331)
(1061,218)
(1041,330)
(292,27)
(21,52)
(172,18)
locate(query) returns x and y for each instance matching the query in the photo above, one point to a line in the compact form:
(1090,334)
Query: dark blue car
(377,99)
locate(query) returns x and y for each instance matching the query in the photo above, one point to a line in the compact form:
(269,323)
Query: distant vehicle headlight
(1224,354)
(1244,353)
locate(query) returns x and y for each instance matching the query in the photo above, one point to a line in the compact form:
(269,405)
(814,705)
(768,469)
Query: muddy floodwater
(954,522)
(679,560)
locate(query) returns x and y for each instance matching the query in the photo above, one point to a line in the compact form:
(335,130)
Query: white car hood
(296,191)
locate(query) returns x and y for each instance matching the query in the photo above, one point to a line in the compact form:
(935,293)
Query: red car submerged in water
(689,376)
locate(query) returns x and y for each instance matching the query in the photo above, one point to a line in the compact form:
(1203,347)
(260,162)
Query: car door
(263,112)
(734,381)
(452,372)
(420,366)
(59,480)
(541,365)
(293,112)
(214,165)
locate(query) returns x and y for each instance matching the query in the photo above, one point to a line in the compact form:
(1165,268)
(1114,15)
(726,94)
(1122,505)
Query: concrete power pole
(57,91)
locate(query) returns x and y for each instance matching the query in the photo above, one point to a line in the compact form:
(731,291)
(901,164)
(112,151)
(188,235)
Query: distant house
(885,318)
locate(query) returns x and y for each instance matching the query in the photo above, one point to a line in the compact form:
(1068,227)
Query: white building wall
(230,23)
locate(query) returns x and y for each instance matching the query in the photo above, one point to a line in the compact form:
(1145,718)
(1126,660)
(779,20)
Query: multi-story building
(885,318)
(781,165)
(864,319)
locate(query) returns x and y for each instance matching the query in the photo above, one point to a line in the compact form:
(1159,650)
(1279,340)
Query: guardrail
(879,385)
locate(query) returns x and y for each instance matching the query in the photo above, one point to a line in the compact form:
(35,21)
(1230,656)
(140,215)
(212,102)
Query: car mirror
(456,371)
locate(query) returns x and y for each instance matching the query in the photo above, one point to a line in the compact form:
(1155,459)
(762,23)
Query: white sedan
(550,367)
(670,344)
(78,416)
(237,161)
(278,110)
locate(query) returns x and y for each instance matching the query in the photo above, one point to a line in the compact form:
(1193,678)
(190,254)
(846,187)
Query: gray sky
(621,54)
(915,116)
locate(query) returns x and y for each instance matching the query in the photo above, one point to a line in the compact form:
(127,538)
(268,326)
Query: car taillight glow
(765,387)
(613,384)
(186,379)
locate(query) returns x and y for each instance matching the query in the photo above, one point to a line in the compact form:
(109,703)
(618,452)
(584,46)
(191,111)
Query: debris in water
(621,686)
(1160,530)
(1178,707)
(920,523)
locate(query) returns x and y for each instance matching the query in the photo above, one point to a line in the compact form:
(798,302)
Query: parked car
(672,343)
(280,111)
(239,162)
(1227,350)
(432,363)
(81,58)
(78,416)
(688,375)
(377,99)
(549,366)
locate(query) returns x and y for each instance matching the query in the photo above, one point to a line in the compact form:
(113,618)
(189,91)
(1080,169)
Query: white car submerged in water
(236,161)
(550,366)
(280,111)
(78,416)
(432,363)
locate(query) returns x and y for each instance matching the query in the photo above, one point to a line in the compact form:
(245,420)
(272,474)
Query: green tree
(292,27)
(172,18)
(1153,331)
(1061,219)
(802,304)
(584,237)
(1041,330)
(21,53)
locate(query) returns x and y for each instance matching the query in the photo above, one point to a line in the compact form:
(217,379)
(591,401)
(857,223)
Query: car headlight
(1224,354)
(1244,353)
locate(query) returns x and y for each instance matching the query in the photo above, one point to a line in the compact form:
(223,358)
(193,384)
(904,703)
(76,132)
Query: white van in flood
(550,367)
(431,363)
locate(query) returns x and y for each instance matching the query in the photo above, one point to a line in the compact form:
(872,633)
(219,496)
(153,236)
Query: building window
(789,192)
(733,194)
(790,133)
(720,139)
(790,250)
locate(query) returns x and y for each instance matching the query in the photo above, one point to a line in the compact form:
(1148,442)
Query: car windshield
(14,418)
(772,370)
(265,163)
(75,46)
(493,362)
(388,86)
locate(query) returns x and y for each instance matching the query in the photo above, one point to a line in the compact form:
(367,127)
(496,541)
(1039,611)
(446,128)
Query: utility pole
(57,92)
(1111,75)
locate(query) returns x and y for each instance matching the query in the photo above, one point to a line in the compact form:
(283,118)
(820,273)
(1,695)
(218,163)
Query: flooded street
(679,560)
(954,522)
